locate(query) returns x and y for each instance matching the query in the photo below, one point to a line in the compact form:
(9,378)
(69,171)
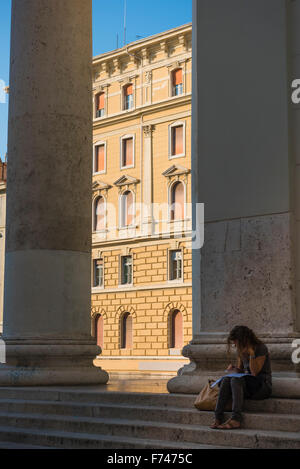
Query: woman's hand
(232,368)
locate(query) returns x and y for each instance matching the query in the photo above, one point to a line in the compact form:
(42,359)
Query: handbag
(207,399)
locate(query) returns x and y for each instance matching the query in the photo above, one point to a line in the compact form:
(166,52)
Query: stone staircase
(89,418)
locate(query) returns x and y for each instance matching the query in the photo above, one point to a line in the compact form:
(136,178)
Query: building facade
(141,253)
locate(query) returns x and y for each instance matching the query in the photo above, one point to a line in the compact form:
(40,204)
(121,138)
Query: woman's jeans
(235,389)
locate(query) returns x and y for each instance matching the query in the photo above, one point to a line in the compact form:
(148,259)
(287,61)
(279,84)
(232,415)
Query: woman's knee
(226,381)
(236,381)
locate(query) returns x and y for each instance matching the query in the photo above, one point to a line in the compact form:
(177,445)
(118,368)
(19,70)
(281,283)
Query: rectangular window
(126,270)
(129,102)
(98,273)
(128,97)
(127,152)
(100,106)
(178,89)
(99,164)
(177,140)
(177,82)
(175,263)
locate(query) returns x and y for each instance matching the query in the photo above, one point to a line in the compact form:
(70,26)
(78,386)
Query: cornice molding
(149,42)
(126,180)
(176,170)
(100,185)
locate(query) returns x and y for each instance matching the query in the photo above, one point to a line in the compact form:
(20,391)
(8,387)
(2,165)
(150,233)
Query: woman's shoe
(230,425)
(216,424)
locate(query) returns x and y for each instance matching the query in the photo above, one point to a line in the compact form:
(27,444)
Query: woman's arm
(255,364)
(239,368)
(240,365)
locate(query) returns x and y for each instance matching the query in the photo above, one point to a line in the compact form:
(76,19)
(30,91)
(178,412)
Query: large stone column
(243,170)
(48,234)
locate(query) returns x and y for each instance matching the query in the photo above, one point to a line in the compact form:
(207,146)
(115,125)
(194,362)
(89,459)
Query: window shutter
(129,331)
(99,215)
(100,101)
(178,137)
(177,77)
(179,201)
(129,208)
(128,152)
(99,332)
(128,90)
(177,329)
(100,158)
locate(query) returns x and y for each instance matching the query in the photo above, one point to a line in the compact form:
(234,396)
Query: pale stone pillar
(48,234)
(147,180)
(243,170)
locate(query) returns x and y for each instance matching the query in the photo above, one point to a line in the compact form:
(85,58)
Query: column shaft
(48,225)
(241,162)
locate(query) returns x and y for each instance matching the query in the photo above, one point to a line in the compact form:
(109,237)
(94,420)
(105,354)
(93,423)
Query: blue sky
(144,18)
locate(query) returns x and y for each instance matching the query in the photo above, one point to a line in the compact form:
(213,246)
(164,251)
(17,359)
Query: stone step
(13,445)
(93,395)
(162,431)
(260,421)
(17,437)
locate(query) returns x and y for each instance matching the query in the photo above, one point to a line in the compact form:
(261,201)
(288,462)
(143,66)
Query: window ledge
(97,289)
(176,282)
(126,285)
(173,157)
(174,222)
(175,351)
(127,228)
(100,172)
(95,233)
(127,167)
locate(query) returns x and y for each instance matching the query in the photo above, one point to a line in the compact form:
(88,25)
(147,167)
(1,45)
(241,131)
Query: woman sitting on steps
(253,359)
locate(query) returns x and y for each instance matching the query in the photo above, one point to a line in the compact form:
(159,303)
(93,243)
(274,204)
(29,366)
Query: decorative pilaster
(147,180)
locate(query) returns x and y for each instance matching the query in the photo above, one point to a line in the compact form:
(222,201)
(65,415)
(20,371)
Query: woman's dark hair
(244,337)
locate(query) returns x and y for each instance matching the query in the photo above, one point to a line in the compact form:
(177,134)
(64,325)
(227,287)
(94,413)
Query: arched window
(177,82)
(126,331)
(99,214)
(99,330)
(100,106)
(177,201)
(127,209)
(176,323)
(128,96)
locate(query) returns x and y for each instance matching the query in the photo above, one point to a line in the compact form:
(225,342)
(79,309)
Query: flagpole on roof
(125,18)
